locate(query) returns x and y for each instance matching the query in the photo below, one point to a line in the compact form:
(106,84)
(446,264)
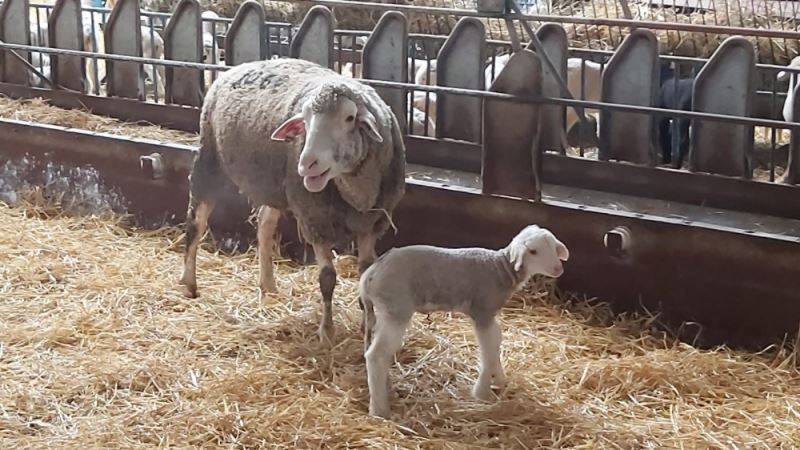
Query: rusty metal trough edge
(738,286)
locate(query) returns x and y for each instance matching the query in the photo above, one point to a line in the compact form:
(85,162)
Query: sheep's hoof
(189,290)
(268,288)
(482,392)
(326,334)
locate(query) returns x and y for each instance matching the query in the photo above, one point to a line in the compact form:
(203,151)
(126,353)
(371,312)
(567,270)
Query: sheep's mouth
(316,183)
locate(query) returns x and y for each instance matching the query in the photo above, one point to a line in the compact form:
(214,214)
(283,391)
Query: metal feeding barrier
(712,244)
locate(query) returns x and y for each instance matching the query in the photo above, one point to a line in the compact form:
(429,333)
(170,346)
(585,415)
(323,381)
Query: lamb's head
(537,251)
(337,126)
(795,64)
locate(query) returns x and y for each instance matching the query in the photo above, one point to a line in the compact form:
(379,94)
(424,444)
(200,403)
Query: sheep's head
(537,251)
(336,125)
(795,64)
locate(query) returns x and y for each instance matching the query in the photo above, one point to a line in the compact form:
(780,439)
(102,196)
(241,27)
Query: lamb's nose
(305,165)
(558,271)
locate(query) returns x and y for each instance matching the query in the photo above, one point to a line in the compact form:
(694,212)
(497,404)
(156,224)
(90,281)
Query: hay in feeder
(40,111)
(98,349)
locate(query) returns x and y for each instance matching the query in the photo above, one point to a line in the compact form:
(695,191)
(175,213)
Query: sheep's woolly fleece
(99,350)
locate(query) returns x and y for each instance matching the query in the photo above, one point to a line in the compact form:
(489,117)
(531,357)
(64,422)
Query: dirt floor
(99,350)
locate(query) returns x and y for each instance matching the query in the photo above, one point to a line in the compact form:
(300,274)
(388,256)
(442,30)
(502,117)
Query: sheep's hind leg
(267,225)
(327,283)
(366,256)
(388,339)
(489,337)
(196,226)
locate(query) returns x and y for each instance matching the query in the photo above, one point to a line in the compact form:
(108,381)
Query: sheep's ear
(562,251)
(290,129)
(368,123)
(782,75)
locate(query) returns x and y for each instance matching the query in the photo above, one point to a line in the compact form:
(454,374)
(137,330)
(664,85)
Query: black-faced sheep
(474,281)
(295,137)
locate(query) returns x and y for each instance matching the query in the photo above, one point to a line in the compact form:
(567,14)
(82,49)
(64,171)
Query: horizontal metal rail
(627,23)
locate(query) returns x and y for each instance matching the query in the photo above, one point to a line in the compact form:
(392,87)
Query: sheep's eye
(351,118)
(532,252)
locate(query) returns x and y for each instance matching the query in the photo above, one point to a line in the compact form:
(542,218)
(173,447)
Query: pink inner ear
(562,252)
(290,129)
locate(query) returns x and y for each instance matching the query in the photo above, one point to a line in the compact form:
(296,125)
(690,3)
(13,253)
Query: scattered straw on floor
(99,350)
(38,110)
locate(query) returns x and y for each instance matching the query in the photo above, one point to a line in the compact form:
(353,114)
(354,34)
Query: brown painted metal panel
(183,41)
(385,57)
(725,85)
(14,29)
(123,36)
(551,131)
(65,30)
(314,39)
(630,77)
(461,65)
(742,287)
(246,37)
(511,153)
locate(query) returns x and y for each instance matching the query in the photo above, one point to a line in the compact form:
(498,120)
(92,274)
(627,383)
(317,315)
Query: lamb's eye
(532,252)
(351,118)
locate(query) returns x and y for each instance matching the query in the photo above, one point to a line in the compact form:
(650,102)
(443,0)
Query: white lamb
(473,281)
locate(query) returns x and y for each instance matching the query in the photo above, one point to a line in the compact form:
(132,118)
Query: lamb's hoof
(380,411)
(188,290)
(482,392)
(326,334)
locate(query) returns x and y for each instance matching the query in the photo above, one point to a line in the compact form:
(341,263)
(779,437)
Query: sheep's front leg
(327,282)
(366,256)
(267,224)
(489,338)
(389,333)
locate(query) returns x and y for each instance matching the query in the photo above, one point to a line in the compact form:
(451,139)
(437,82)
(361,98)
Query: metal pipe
(448,90)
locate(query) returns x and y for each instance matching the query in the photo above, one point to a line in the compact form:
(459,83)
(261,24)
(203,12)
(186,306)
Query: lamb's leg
(196,226)
(368,322)
(489,337)
(389,333)
(327,282)
(366,256)
(267,224)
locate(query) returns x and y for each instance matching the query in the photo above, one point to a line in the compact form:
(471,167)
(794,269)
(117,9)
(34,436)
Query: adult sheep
(336,162)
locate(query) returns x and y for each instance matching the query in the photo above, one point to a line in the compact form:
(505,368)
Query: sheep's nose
(558,270)
(306,164)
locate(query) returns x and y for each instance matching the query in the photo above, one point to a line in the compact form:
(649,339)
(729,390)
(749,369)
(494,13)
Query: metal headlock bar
(571,102)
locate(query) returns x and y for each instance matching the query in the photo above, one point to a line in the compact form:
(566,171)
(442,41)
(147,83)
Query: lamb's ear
(562,251)
(516,254)
(290,129)
(368,123)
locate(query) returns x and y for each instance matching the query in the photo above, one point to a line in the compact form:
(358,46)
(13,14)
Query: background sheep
(674,93)
(474,281)
(783,75)
(592,83)
(338,165)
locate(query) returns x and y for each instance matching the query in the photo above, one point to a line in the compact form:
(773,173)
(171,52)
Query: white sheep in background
(418,127)
(420,102)
(592,82)
(473,281)
(212,54)
(592,87)
(424,72)
(792,76)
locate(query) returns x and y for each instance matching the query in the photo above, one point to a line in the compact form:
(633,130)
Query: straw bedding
(99,350)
